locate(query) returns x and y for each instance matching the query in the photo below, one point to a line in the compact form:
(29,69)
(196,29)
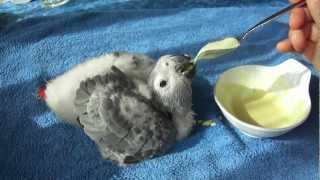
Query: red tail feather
(42,93)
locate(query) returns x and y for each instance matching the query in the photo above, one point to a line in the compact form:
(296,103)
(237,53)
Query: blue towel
(35,144)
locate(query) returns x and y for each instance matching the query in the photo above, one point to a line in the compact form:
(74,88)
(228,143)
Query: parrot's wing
(127,126)
(59,93)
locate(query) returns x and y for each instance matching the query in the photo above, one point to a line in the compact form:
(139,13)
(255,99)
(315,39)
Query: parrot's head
(171,82)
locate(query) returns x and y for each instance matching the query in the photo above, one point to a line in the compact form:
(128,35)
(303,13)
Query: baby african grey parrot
(133,108)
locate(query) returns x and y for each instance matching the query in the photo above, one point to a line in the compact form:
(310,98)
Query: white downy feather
(60,92)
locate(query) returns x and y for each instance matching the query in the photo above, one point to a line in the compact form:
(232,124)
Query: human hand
(304,33)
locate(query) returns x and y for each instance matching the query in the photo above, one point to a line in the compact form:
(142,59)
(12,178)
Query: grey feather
(126,125)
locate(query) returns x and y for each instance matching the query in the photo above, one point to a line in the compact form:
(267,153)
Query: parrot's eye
(187,56)
(163,83)
(167,64)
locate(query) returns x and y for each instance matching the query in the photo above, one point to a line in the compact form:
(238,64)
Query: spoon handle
(271,18)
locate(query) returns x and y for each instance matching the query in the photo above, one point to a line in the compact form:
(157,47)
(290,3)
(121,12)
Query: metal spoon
(271,18)
(190,65)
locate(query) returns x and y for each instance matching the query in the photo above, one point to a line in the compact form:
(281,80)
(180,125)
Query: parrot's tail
(42,92)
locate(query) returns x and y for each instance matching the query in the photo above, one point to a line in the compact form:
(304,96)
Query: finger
(297,18)
(309,51)
(297,40)
(294,1)
(312,54)
(316,57)
(307,15)
(314,33)
(307,30)
(314,9)
(284,46)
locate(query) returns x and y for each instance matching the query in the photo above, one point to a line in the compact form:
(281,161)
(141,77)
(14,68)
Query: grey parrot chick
(173,89)
(130,119)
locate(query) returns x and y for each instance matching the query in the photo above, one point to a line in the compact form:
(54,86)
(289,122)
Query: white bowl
(265,101)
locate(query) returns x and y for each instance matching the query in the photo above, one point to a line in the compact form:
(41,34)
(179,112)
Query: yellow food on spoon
(213,50)
(218,48)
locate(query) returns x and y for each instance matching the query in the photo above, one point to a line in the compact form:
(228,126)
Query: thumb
(316,58)
(314,8)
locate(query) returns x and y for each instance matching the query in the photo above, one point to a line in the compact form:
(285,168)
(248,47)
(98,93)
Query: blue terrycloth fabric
(35,144)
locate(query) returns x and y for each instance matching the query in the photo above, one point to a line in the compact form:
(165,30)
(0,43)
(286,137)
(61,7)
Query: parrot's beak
(187,69)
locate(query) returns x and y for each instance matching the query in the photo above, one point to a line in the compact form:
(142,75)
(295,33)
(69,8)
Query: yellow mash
(278,107)
(218,48)
(270,109)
